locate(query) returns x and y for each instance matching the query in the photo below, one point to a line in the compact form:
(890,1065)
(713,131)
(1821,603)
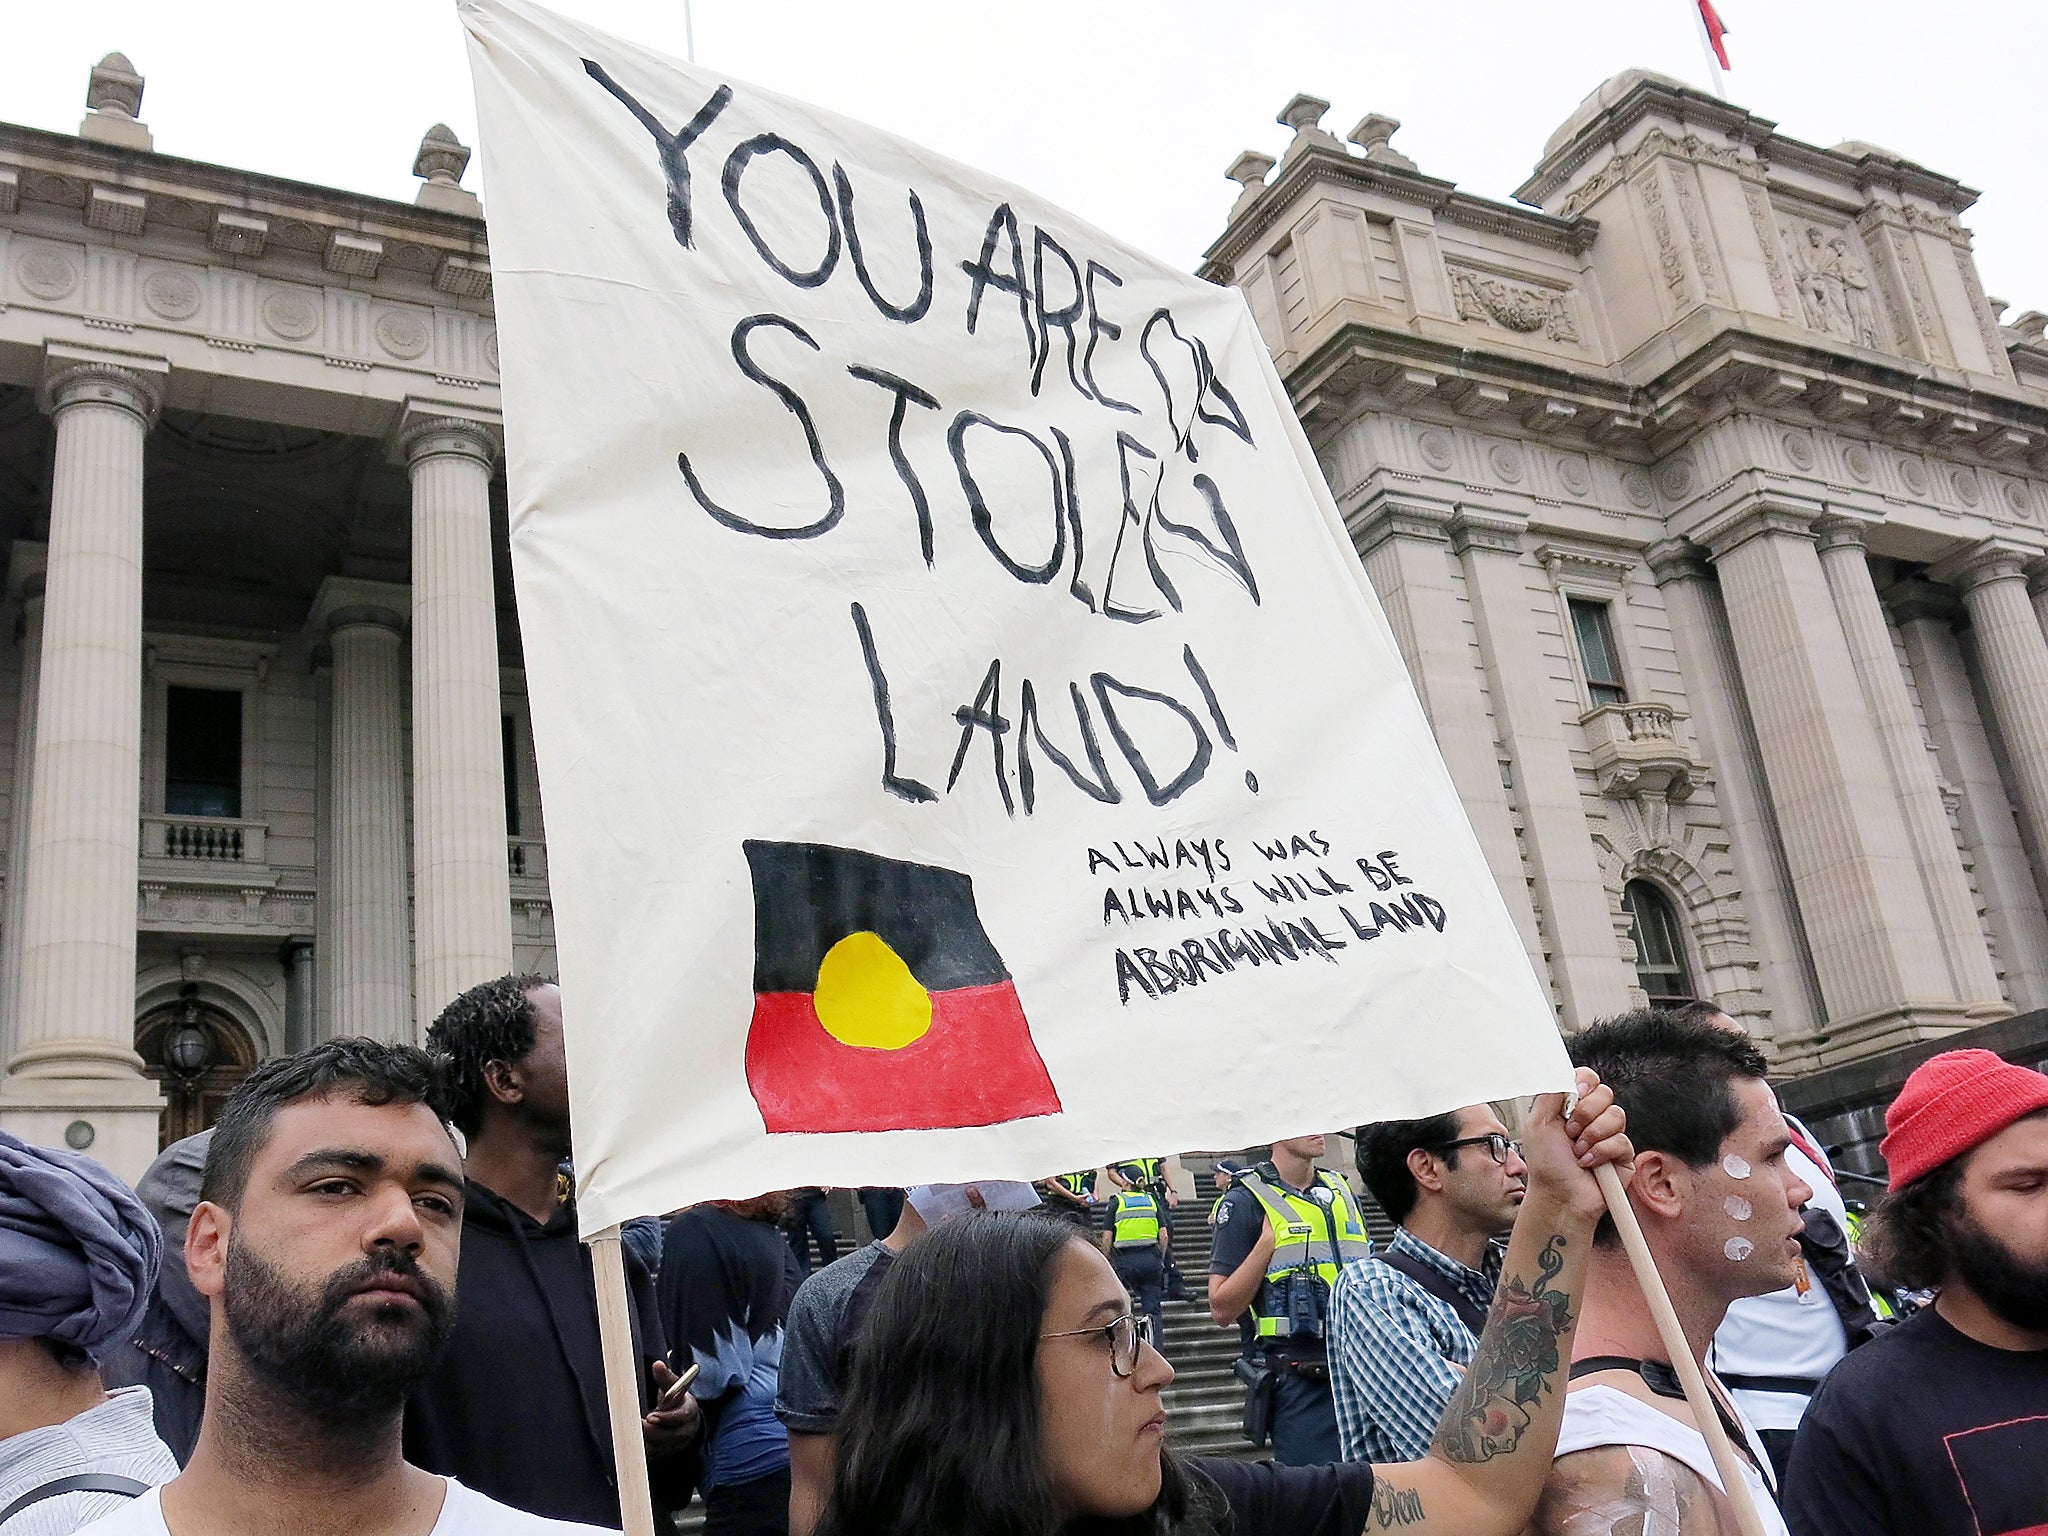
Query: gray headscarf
(171,1189)
(78,1251)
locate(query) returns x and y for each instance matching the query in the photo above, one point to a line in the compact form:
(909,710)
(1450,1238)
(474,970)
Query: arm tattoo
(1393,1506)
(1516,1363)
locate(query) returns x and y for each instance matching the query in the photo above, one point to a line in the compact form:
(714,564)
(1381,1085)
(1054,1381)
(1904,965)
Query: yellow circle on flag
(867,997)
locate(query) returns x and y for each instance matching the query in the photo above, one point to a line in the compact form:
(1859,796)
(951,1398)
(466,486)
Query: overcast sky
(1124,111)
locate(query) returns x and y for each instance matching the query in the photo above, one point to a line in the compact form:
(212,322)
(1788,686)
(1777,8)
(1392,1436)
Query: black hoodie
(516,1410)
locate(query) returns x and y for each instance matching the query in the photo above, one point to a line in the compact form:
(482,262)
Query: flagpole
(621,1382)
(1714,71)
(1672,1333)
(689,34)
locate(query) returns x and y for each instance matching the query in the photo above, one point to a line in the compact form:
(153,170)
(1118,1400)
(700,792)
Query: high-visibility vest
(1082,1184)
(1134,1220)
(1314,1234)
(1145,1172)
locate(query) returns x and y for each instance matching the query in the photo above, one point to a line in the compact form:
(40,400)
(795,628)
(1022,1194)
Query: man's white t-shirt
(465,1512)
(1786,1333)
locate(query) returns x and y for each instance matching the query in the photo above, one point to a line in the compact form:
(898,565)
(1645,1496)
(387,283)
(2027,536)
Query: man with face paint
(1939,1427)
(1772,1351)
(1720,1210)
(324,1242)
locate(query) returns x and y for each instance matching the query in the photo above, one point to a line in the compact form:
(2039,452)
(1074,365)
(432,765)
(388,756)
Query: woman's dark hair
(940,1433)
(1905,1240)
(1383,1158)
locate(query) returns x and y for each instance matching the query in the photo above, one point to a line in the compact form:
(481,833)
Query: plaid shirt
(1396,1352)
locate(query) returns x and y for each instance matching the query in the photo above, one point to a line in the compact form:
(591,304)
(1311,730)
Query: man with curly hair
(1939,1427)
(517,1408)
(1719,1208)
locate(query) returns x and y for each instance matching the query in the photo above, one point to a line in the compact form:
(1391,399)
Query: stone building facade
(1707,494)
(267,773)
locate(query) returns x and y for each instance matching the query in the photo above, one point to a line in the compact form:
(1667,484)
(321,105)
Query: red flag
(1711,20)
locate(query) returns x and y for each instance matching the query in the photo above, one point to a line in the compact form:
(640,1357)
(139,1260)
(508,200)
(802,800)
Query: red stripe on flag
(976,1065)
(1711,19)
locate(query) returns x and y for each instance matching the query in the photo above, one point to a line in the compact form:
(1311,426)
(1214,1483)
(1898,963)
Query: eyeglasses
(1124,1333)
(1497,1146)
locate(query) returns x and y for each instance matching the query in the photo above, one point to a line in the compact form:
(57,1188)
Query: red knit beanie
(1951,1103)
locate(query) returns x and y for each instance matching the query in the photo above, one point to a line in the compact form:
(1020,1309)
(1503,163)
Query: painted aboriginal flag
(879,1002)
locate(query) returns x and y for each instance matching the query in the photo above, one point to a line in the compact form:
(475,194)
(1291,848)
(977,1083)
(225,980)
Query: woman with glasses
(1003,1387)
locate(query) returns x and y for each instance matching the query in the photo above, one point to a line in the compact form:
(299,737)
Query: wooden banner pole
(622,1382)
(1733,1483)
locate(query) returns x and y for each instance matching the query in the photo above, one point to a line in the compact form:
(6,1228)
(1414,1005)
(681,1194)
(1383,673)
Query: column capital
(1980,564)
(85,375)
(1672,560)
(1481,528)
(345,600)
(429,429)
(2037,577)
(1837,532)
(1388,517)
(1917,598)
(1754,519)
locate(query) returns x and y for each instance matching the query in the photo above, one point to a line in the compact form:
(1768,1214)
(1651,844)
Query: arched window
(1661,970)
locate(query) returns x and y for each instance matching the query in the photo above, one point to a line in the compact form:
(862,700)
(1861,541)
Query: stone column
(1406,550)
(2012,654)
(1972,978)
(1577,910)
(462,894)
(25,573)
(1720,716)
(369,972)
(301,1026)
(1926,615)
(1871,932)
(75,1055)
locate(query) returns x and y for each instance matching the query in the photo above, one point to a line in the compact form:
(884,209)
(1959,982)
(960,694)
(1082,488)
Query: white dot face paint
(1738,1207)
(1734,1167)
(1738,1248)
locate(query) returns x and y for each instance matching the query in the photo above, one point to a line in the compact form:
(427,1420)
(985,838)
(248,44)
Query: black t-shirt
(1924,1432)
(1267,1499)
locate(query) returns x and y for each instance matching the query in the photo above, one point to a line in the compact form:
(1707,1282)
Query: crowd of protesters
(359,1304)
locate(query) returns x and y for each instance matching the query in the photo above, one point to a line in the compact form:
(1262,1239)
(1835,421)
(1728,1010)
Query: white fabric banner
(969,746)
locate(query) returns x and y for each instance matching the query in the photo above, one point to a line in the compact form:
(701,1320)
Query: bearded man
(1939,1427)
(324,1241)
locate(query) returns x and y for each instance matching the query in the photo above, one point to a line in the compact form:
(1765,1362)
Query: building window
(1660,949)
(1597,653)
(510,741)
(202,752)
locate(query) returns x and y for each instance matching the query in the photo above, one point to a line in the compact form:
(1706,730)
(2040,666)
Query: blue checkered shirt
(1396,1352)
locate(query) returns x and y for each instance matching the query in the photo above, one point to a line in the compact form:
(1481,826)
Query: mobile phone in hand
(674,1395)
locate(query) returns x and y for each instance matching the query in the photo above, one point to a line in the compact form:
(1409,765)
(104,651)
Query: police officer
(1071,1197)
(1137,1251)
(1284,1230)
(1149,1175)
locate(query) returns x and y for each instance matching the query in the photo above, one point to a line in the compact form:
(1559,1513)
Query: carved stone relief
(1968,491)
(1913,473)
(1799,449)
(1671,263)
(402,333)
(1506,463)
(1636,486)
(173,295)
(45,273)
(1575,473)
(1759,201)
(290,314)
(1436,446)
(1833,283)
(1856,458)
(1523,307)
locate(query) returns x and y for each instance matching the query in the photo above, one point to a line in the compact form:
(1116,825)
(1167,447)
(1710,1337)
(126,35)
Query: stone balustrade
(206,839)
(1638,747)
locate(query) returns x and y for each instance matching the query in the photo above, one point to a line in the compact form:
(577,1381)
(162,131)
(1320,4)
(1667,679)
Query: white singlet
(1595,1416)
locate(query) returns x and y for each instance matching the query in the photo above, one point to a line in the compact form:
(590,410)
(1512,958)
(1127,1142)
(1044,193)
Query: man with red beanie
(1940,1425)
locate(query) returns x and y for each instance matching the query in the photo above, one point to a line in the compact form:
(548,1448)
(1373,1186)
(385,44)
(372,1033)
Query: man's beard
(2009,1285)
(339,1368)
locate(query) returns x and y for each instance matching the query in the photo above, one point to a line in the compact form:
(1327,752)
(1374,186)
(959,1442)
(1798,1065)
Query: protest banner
(967,743)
